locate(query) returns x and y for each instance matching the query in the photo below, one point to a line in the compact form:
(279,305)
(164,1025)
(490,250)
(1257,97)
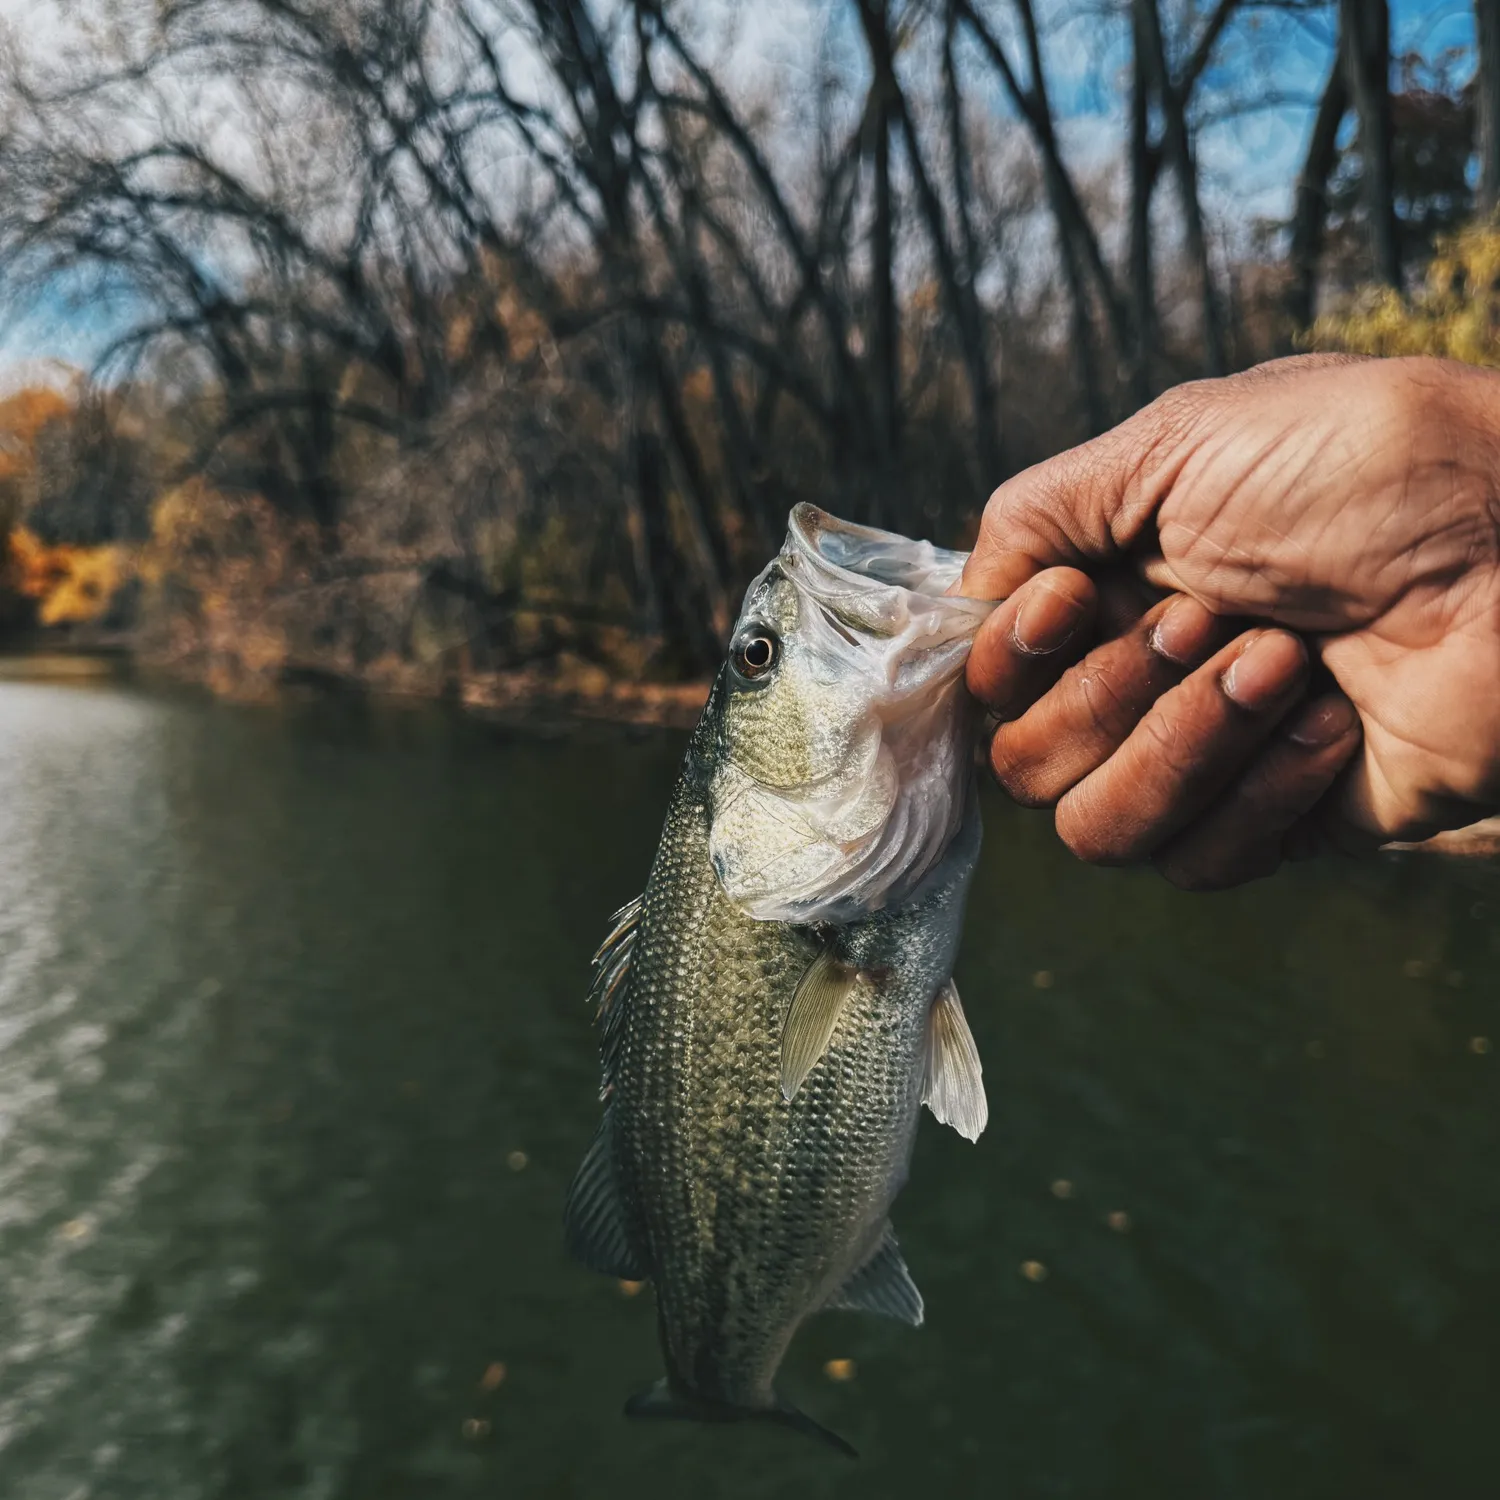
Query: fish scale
(764,1078)
(781,1199)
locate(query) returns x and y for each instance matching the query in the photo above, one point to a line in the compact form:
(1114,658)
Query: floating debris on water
(517,1161)
(476,1428)
(839,1369)
(493,1377)
(1033,1270)
(1416,968)
(76,1229)
(1062,1188)
(1479,1045)
(1119,1221)
(631,1288)
(1042,979)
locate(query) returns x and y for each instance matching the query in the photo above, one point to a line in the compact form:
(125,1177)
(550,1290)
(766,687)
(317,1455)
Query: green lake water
(295,1067)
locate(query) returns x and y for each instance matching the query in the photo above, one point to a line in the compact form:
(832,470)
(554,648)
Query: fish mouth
(833,557)
(873,813)
(882,601)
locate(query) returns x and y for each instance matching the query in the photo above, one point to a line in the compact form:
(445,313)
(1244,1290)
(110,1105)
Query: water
(294,1069)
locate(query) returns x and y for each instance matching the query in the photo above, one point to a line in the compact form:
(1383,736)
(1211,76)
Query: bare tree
(1310,206)
(653,304)
(1178,152)
(1487,102)
(1366,51)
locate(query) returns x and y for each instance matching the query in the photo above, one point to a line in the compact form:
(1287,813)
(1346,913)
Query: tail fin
(661,1402)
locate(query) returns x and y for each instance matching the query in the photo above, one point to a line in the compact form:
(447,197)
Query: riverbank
(577,693)
(555,700)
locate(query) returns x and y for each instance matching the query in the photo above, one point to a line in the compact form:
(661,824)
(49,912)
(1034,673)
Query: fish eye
(755,652)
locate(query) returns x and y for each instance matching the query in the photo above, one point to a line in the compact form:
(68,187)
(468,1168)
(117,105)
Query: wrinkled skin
(1353,502)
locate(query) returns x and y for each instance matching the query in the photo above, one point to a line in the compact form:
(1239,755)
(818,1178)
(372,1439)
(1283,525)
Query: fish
(778,1004)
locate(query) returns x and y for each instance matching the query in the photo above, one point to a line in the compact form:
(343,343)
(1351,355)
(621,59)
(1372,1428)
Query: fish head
(840,732)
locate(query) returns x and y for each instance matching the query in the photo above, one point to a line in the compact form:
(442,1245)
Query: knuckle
(1176,411)
(1025,794)
(1087,833)
(1112,701)
(1080,843)
(1285,782)
(1167,745)
(1020,777)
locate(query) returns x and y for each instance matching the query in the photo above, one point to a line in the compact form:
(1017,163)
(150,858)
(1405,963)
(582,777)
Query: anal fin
(954,1087)
(819,998)
(594,1219)
(882,1285)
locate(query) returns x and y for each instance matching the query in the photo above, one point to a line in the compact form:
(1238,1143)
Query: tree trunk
(971,321)
(1487,103)
(1310,210)
(1142,184)
(1179,152)
(1068,212)
(885,351)
(1366,28)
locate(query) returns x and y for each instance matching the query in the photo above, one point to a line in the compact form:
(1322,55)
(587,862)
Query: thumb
(1081,508)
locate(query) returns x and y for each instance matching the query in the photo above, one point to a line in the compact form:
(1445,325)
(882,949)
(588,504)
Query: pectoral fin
(882,1285)
(819,998)
(954,1089)
(594,1219)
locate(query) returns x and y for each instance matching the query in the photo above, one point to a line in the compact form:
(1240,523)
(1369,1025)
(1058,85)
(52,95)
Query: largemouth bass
(778,1004)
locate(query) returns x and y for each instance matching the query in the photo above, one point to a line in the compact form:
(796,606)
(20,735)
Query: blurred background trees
(456,335)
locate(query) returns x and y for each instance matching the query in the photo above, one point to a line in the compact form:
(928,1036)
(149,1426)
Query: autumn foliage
(1454,313)
(499,338)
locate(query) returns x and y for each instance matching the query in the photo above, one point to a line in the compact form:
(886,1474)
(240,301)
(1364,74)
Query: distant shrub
(69,585)
(1455,312)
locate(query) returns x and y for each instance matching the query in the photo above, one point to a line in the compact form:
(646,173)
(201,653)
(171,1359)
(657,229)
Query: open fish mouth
(880,585)
(844,553)
(880,645)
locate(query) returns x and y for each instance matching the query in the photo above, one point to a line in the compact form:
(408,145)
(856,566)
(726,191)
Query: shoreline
(520,698)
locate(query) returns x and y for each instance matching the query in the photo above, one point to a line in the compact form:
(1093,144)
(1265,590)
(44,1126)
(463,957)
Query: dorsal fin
(594,1220)
(819,997)
(882,1285)
(954,1088)
(611,970)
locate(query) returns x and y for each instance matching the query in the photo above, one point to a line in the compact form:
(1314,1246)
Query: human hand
(1354,501)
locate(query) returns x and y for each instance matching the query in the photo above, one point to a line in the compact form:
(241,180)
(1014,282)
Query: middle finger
(1075,727)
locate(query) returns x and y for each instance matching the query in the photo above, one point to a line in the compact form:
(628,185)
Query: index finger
(1083,507)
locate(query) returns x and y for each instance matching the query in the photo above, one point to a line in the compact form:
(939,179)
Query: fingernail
(1261,674)
(1323,722)
(1046,622)
(1184,633)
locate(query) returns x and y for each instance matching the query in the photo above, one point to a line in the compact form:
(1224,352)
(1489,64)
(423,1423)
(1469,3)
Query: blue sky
(1249,164)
